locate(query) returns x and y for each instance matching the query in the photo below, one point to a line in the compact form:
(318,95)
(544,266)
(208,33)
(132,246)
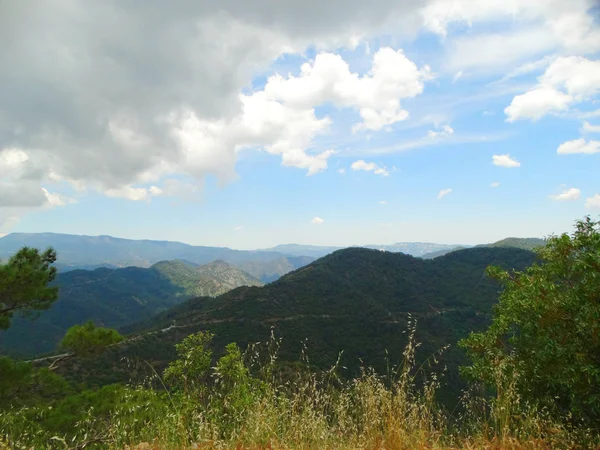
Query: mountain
(443,252)
(88,252)
(410,248)
(522,243)
(512,242)
(117,297)
(356,300)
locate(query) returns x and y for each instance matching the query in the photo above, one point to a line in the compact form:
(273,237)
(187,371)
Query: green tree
(24,283)
(545,334)
(89,340)
(190,370)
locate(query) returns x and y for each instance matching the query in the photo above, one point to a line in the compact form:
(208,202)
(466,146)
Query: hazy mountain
(512,242)
(356,300)
(409,248)
(87,252)
(117,297)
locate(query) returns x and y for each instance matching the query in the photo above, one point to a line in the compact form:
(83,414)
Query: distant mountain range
(90,252)
(356,300)
(117,297)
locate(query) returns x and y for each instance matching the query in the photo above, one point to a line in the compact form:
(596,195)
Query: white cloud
(443,193)
(446,130)
(593,202)
(566,81)
(580,146)
(457,76)
(383,202)
(342,171)
(55,199)
(129,193)
(589,128)
(369,167)
(495,184)
(505,161)
(376,95)
(535,27)
(317,221)
(567,195)
(238,228)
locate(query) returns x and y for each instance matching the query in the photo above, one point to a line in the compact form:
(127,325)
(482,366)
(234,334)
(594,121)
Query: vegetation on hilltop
(523,243)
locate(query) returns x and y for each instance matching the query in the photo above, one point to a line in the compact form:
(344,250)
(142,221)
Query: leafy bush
(545,333)
(89,340)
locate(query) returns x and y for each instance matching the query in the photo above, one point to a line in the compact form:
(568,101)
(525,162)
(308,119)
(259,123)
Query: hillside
(117,297)
(355,300)
(88,252)
(522,243)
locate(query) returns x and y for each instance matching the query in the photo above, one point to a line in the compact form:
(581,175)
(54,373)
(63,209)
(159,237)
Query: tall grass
(272,409)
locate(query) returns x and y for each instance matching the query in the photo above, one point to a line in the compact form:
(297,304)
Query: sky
(251,124)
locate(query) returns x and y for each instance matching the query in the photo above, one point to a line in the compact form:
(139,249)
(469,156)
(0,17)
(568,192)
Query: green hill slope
(356,300)
(522,243)
(117,297)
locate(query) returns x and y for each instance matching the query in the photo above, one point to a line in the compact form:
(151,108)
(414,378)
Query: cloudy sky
(249,124)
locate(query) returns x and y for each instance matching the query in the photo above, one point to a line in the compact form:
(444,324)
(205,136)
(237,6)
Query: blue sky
(452,125)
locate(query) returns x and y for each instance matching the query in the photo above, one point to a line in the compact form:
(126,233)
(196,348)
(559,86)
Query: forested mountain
(117,297)
(523,243)
(356,300)
(89,252)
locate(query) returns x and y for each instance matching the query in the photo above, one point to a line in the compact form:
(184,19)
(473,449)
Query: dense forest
(487,347)
(118,297)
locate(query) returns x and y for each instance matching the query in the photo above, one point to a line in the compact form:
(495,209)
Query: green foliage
(24,283)
(301,409)
(21,384)
(545,333)
(89,340)
(191,369)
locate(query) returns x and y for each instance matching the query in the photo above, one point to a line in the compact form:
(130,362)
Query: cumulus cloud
(567,195)
(566,81)
(317,221)
(495,184)
(375,95)
(369,167)
(593,202)
(443,193)
(579,146)
(505,161)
